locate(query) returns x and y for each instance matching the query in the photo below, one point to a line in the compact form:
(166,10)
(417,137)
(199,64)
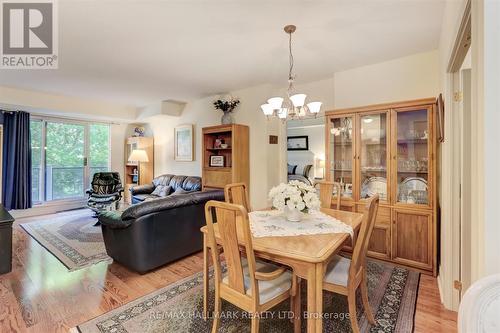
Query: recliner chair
(105,193)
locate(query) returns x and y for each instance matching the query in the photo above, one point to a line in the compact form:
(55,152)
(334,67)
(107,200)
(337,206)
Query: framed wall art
(184,143)
(298,142)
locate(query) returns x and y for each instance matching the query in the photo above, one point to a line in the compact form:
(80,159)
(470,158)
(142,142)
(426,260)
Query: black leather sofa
(176,183)
(156,232)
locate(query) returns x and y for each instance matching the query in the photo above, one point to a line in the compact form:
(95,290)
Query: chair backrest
(237,194)
(365,232)
(106,182)
(326,193)
(228,216)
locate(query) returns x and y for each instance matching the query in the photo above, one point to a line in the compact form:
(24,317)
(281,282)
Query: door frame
(450,259)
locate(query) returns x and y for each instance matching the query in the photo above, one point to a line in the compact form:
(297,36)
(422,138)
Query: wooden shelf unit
(405,232)
(145,170)
(236,156)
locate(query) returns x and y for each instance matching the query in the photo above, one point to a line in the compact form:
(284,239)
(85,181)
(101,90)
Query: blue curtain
(16,167)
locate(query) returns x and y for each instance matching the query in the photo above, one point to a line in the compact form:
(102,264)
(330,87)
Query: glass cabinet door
(373,155)
(341,158)
(412,159)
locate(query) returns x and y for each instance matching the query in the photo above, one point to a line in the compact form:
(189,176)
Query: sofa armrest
(113,219)
(170,202)
(142,189)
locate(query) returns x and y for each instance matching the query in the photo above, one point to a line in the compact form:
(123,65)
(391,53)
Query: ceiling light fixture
(293,105)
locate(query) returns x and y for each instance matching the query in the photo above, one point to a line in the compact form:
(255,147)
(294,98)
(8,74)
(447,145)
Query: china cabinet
(389,149)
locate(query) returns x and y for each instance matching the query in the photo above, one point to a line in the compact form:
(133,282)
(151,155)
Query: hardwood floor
(40,295)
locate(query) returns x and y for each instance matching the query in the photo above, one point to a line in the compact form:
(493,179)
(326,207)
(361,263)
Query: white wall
(491,80)
(60,105)
(407,78)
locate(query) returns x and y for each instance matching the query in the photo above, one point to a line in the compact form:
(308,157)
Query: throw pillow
(291,169)
(307,170)
(161,190)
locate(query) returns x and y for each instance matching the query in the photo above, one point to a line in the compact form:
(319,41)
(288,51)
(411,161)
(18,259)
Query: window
(65,156)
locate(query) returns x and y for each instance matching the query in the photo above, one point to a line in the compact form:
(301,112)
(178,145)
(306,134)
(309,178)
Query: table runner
(274,223)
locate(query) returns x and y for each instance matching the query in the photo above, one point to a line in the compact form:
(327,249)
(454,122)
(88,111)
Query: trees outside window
(73,152)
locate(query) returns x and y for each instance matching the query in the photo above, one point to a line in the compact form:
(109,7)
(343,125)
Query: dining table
(307,255)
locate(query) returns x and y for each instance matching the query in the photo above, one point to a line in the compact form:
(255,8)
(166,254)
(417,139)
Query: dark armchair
(106,192)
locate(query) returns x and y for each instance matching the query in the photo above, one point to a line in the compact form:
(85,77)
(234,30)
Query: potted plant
(294,199)
(227,106)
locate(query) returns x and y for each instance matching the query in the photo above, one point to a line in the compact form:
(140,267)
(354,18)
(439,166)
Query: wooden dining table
(307,255)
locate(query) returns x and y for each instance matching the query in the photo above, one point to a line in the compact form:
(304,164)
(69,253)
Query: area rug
(70,237)
(178,308)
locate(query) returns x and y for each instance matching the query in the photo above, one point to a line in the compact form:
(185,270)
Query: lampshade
(282,113)
(298,100)
(138,155)
(321,163)
(267,109)
(275,102)
(314,107)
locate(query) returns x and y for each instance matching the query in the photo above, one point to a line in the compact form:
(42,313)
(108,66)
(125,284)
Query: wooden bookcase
(389,149)
(138,173)
(235,156)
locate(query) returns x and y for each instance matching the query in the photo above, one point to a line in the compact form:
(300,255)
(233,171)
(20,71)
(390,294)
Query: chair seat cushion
(267,289)
(141,197)
(337,271)
(94,199)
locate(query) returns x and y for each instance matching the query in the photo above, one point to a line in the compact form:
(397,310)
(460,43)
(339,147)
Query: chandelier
(293,105)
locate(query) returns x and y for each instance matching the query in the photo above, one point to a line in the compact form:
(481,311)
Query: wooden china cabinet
(389,149)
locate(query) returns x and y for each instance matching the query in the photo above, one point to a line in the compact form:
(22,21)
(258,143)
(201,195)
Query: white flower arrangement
(294,195)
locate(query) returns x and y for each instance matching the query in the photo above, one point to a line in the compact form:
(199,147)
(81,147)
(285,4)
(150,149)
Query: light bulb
(282,113)
(275,102)
(314,107)
(267,109)
(298,100)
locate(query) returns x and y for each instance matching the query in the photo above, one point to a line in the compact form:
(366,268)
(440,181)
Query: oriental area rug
(70,236)
(178,308)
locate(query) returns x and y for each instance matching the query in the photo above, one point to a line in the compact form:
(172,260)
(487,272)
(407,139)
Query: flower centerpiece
(294,199)
(227,106)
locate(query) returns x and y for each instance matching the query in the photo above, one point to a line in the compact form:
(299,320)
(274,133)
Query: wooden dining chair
(344,276)
(253,286)
(237,193)
(326,193)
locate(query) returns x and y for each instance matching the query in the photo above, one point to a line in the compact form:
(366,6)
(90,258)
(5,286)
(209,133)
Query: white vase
(293,215)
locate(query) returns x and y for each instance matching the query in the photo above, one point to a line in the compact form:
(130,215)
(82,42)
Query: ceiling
(138,52)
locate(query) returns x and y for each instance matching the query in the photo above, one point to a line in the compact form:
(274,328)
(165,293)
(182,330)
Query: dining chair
(237,193)
(326,193)
(344,276)
(253,286)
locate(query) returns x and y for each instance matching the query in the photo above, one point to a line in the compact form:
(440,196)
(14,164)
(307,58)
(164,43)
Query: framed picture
(440,117)
(216,161)
(183,143)
(298,142)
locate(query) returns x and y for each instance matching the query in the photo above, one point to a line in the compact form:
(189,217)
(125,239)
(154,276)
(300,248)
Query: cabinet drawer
(217,178)
(383,214)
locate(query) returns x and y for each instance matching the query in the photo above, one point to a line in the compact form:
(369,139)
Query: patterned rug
(70,237)
(178,308)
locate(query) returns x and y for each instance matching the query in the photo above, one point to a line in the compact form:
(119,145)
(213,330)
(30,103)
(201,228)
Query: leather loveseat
(156,232)
(176,184)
